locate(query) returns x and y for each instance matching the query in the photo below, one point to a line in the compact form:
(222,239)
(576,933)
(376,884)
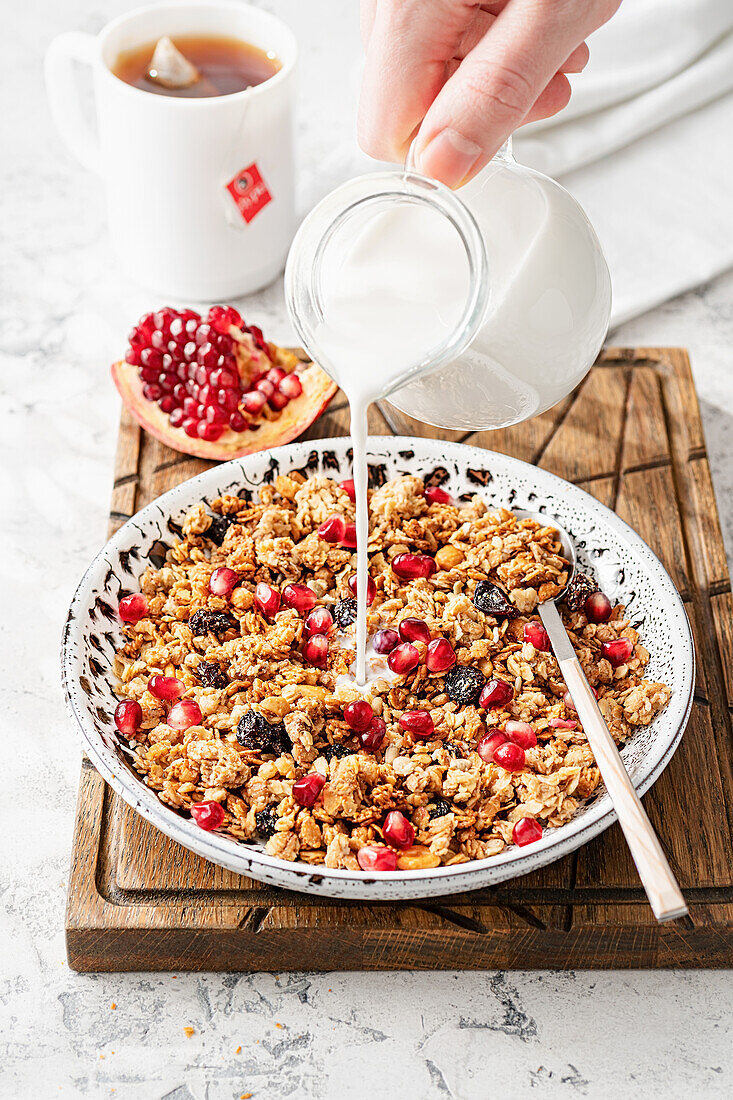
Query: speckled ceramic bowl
(623,564)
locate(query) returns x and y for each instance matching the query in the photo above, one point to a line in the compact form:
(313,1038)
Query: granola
(253,719)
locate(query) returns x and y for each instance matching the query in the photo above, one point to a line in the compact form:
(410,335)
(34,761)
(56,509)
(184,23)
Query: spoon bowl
(568,546)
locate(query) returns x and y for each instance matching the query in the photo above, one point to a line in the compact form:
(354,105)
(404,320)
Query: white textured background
(64,313)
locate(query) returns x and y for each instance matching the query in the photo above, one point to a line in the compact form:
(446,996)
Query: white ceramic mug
(200,191)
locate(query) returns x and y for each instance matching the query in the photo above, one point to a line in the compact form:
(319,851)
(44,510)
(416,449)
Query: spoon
(662,889)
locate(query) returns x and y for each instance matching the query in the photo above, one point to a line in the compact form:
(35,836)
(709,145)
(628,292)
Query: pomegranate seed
(291,386)
(414,630)
(149,357)
(488,745)
(371,588)
(149,374)
(618,652)
(223,317)
(403,658)
(209,432)
(278,401)
(225,344)
(265,387)
(222,581)
(509,756)
(349,539)
(128,716)
(307,789)
(275,374)
(371,739)
(190,406)
(152,391)
(397,830)
(598,608)
(207,356)
(215,415)
(184,714)
(315,650)
(224,378)
(526,831)
(207,815)
(132,357)
(434,495)
(299,596)
(166,687)
(237,422)
(497,693)
(191,426)
(376,857)
(228,400)
(563,723)
(177,417)
(411,566)
(419,723)
(256,334)
(440,655)
(522,734)
(253,402)
(167,381)
(348,488)
(133,608)
(568,699)
(358,715)
(385,640)
(267,600)
(167,404)
(332,529)
(536,635)
(320,621)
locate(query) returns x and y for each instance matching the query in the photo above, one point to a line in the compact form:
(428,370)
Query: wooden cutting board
(631,436)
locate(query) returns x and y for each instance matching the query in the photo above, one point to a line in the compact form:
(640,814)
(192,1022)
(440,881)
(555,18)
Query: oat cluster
(269,717)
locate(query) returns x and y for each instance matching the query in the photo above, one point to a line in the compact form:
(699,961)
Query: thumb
(496,85)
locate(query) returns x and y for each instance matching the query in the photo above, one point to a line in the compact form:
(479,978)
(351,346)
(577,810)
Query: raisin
(578,591)
(490,599)
(344,612)
(463,684)
(438,807)
(211,675)
(256,733)
(266,820)
(218,528)
(336,751)
(212,622)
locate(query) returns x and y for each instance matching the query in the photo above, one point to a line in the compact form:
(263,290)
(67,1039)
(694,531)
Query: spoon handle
(662,889)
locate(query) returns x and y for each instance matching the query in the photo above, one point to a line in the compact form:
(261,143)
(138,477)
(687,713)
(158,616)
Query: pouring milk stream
(468,312)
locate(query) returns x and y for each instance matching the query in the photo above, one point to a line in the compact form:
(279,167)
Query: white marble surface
(64,311)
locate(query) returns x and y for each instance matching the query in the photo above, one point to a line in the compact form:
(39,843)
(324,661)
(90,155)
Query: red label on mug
(249,191)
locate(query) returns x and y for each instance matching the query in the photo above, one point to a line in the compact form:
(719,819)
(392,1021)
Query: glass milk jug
(469,310)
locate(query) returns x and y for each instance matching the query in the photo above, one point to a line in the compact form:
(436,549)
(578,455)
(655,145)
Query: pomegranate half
(213,387)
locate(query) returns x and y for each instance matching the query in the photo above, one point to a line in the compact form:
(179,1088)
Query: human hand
(463,75)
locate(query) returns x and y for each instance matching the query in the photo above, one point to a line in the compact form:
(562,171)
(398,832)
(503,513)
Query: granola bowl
(162,773)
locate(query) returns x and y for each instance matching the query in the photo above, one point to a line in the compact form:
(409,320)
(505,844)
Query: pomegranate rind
(296,417)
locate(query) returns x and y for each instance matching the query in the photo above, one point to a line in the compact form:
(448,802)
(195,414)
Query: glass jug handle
(505,153)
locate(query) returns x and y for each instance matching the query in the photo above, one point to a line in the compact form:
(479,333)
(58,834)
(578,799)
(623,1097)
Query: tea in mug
(225,65)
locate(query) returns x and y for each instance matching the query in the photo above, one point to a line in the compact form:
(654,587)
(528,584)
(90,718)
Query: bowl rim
(236,855)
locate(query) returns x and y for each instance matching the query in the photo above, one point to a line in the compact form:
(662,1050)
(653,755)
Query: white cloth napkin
(646,147)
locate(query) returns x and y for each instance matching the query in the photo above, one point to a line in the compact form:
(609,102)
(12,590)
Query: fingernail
(449,157)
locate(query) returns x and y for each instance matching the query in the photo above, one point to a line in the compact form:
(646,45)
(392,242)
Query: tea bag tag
(170,68)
